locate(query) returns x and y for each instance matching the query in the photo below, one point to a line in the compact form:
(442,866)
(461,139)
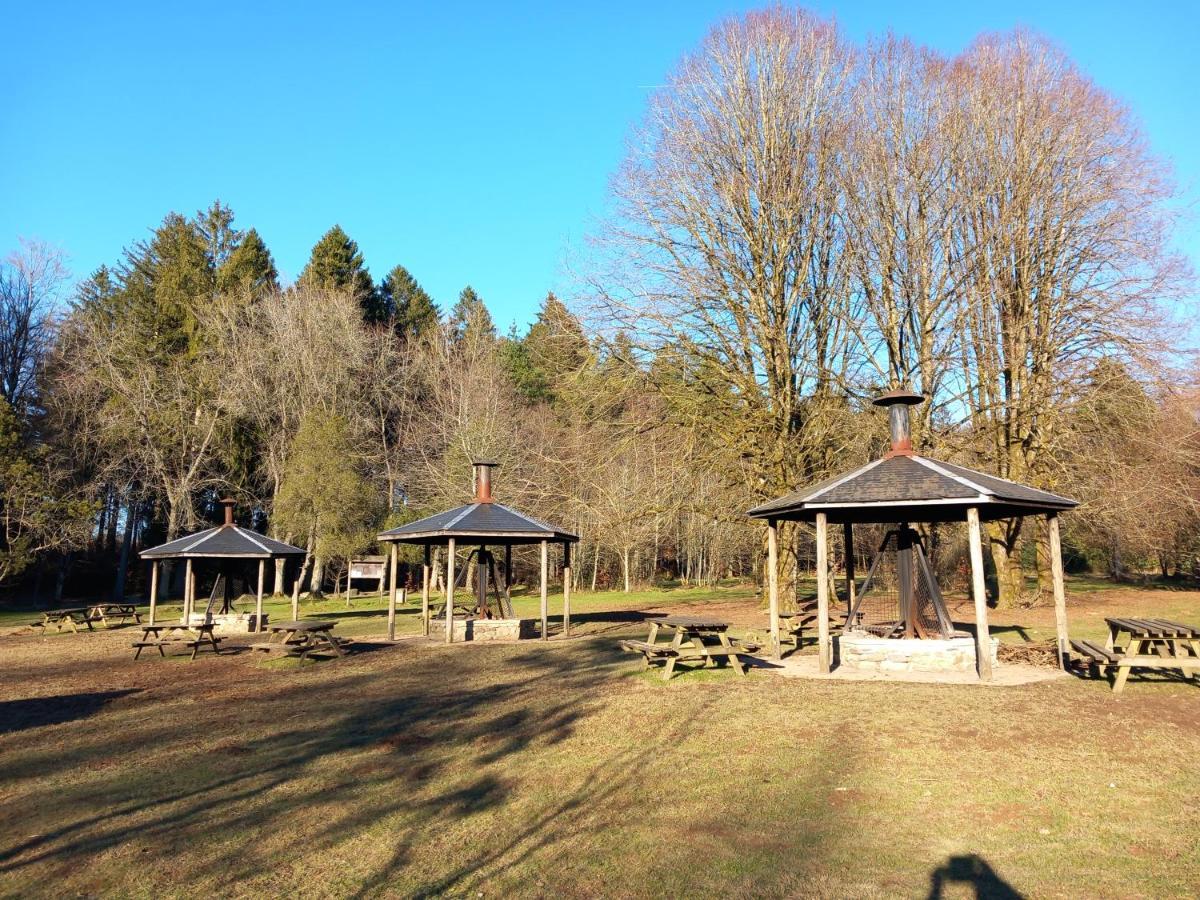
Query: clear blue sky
(469,141)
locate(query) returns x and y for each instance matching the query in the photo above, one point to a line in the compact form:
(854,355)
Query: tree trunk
(318,577)
(596,567)
(625,567)
(1045,575)
(118,593)
(1006,556)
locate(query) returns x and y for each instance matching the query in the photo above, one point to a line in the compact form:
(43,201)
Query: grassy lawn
(531,769)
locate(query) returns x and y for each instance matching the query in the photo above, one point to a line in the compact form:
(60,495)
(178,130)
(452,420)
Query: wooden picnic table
(100,612)
(1145,644)
(161,635)
(71,618)
(694,639)
(301,638)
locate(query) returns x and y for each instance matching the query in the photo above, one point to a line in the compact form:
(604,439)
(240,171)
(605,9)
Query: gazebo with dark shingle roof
(903,487)
(229,542)
(479,524)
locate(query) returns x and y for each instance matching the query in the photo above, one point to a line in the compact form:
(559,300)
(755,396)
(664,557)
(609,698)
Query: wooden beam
(848,541)
(153,589)
(983,643)
(773,584)
(392,591)
(566,588)
(824,646)
(426,574)
(189,585)
(1060,591)
(258,614)
(545,574)
(450,591)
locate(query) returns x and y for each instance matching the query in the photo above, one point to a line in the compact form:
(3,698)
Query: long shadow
(974,871)
(34,712)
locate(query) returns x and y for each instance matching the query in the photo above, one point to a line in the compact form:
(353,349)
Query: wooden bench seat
(655,650)
(1096,652)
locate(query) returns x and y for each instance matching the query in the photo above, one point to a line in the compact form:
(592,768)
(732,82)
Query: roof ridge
(866,467)
(934,466)
(527,518)
(200,538)
(246,533)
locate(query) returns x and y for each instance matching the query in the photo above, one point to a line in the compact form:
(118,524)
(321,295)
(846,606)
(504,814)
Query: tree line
(799,224)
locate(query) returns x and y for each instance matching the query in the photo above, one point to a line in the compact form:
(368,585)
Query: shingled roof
(905,487)
(224,541)
(475,523)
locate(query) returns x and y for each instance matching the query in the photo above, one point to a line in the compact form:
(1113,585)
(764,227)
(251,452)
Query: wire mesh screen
(899,596)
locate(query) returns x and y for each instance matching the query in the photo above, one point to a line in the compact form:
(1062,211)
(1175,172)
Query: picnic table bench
(1150,644)
(65,618)
(301,638)
(160,636)
(695,639)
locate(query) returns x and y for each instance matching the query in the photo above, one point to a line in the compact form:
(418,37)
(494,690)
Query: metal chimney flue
(228,503)
(897,403)
(483,480)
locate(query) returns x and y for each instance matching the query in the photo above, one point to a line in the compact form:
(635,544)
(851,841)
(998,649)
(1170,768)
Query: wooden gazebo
(229,543)
(481,524)
(902,488)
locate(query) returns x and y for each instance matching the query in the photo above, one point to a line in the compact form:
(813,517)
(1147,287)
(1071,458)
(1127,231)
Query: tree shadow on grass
(34,712)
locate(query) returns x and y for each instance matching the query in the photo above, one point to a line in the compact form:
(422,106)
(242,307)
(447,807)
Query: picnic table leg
(1134,649)
(734,659)
(653,632)
(675,645)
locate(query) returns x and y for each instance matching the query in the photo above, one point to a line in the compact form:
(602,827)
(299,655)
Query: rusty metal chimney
(483,480)
(228,503)
(897,403)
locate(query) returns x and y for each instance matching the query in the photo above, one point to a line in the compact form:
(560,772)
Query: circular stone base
(867,653)
(486,629)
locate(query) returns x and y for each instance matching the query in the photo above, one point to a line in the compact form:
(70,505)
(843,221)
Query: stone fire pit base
(486,629)
(867,653)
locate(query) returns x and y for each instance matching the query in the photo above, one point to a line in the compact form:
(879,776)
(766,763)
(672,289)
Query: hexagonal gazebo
(481,524)
(901,488)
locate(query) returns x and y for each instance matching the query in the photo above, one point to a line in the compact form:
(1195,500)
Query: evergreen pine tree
(555,347)
(470,319)
(412,310)
(337,264)
(249,271)
(215,226)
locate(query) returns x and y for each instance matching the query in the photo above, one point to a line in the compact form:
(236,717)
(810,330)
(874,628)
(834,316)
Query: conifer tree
(249,271)
(412,310)
(337,264)
(215,226)
(470,319)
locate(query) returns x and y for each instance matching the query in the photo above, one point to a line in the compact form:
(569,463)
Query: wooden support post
(566,588)
(258,613)
(824,646)
(545,574)
(450,591)
(153,589)
(773,584)
(1060,591)
(983,642)
(392,591)
(848,541)
(189,585)
(426,574)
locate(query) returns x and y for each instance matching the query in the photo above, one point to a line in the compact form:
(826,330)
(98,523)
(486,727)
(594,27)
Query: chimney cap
(899,395)
(485,462)
(229,503)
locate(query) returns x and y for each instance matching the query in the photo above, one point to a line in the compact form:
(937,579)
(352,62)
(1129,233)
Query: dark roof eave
(439,536)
